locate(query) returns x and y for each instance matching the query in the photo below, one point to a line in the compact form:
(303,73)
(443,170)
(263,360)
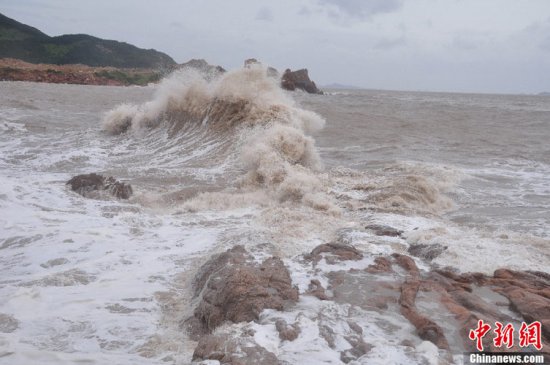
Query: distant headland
(27,54)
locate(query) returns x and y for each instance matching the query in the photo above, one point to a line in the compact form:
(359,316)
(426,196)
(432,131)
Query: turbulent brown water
(239,161)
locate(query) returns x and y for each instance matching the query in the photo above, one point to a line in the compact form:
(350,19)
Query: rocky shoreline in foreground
(338,291)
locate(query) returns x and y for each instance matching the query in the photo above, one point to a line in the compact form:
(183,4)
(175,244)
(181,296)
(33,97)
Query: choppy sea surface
(239,161)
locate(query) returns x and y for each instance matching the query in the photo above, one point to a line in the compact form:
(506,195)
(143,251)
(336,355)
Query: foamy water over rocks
(359,227)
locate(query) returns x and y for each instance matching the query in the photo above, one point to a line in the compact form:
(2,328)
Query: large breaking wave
(247,111)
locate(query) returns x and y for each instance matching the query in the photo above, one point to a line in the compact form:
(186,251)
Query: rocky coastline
(17,70)
(441,306)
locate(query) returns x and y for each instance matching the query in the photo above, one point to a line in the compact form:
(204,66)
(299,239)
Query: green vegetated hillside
(26,43)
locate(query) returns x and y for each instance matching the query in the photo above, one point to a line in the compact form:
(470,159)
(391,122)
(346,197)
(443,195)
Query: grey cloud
(386,43)
(361,9)
(537,33)
(304,10)
(545,44)
(264,14)
(463,43)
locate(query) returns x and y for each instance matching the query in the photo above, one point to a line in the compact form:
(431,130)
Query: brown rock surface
(381,265)
(233,287)
(335,252)
(464,297)
(442,306)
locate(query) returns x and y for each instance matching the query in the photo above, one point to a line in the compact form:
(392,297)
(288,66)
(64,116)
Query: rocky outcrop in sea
(293,80)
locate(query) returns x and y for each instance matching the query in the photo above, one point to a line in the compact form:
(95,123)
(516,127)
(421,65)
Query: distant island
(544,93)
(341,86)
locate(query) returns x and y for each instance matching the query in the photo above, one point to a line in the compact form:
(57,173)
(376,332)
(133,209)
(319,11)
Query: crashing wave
(249,108)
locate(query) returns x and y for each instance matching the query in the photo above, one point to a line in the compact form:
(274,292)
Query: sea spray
(249,109)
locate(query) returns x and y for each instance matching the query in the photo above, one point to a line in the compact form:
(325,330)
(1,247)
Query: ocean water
(239,161)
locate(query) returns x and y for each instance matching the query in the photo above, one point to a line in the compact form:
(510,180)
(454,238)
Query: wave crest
(248,108)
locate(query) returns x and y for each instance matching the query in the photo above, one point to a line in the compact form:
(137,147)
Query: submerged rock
(91,185)
(426,251)
(287,332)
(233,351)
(292,80)
(8,323)
(381,230)
(316,289)
(334,252)
(232,286)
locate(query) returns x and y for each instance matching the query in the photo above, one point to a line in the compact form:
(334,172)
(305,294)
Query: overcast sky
(440,45)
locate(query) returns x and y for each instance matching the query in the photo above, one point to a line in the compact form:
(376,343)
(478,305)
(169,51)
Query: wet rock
(292,80)
(66,278)
(355,327)
(450,304)
(54,262)
(287,332)
(91,185)
(233,351)
(234,256)
(426,328)
(381,230)
(328,334)
(358,348)
(528,293)
(352,287)
(381,265)
(8,324)
(316,289)
(425,251)
(406,263)
(234,287)
(335,252)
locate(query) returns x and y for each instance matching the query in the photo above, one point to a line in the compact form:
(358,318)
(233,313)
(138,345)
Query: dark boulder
(427,251)
(92,185)
(293,80)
